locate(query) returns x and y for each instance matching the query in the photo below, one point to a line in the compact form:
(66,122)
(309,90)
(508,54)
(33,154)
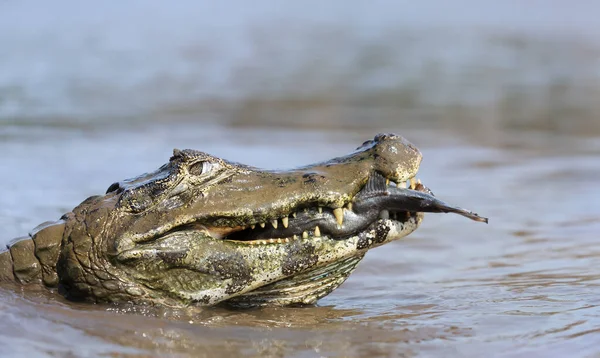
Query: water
(506,119)
(527,282)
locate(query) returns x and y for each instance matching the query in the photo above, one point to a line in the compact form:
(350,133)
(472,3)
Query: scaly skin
(177,236)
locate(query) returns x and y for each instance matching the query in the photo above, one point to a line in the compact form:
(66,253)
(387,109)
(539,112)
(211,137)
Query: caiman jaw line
(339,214)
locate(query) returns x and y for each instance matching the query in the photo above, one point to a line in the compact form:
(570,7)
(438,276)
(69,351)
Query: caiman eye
(200,168)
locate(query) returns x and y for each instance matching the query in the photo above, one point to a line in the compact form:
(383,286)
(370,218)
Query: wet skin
(201,230)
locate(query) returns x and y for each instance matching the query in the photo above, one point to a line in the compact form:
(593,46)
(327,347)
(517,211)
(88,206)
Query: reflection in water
(323,330)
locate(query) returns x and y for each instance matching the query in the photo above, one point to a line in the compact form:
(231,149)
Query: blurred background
(483,65)
(500,96)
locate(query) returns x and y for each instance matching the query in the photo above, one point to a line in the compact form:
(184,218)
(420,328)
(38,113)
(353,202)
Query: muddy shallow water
(529,282)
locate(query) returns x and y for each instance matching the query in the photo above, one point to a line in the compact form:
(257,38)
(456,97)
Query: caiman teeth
(413,183)
(339,215)
(384,214)
(270,241)
(317,231)
(409,183)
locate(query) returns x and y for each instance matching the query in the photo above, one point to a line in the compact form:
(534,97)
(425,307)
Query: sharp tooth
(320,209)
(419,181)
(252,226)
(293,238)
(304,235)
(339,215)
(294,214)
(274,223)
(272,241)
(413,183)
(262,225)
(285,222)
(262,242)
(349,206)
(287,239)
(402,184)
(384,214)
(387,182)
(305,210)
(317,231)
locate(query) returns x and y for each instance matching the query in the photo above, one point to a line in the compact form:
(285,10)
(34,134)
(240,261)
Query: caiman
(201,230)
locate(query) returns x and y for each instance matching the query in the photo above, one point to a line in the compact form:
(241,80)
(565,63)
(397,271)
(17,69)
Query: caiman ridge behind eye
(200,168)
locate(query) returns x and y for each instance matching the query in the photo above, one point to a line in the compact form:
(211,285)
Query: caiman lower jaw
(319,221)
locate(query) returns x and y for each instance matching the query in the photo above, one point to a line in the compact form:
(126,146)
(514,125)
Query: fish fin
(376,185)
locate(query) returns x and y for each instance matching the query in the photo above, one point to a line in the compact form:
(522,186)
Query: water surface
(527,282)
(500,96)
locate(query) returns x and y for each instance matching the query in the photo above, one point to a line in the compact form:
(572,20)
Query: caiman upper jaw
(309,220)
(380,198)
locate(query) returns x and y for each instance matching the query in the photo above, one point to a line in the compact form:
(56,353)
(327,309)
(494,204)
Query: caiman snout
(380,198)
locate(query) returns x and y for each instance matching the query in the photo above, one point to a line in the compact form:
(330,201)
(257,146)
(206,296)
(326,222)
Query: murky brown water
(503,105)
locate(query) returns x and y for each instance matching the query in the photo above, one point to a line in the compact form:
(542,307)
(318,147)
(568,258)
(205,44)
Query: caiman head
(202,230)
